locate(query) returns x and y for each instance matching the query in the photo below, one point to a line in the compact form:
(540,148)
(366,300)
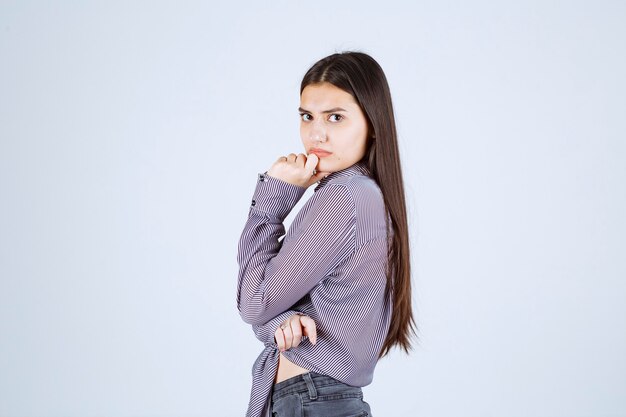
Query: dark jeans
(316,395)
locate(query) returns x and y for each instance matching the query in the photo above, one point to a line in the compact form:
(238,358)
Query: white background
(131,136)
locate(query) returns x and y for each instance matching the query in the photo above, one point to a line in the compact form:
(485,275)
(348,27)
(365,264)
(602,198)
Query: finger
(311,162)
(291,157)
(300,159)
(296,330)
(288,337)
(280,338)
(310,328)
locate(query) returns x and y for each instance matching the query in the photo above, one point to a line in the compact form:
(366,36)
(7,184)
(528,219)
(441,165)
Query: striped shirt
(330,265)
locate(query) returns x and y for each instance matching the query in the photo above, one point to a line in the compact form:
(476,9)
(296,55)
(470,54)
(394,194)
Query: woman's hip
(316,395)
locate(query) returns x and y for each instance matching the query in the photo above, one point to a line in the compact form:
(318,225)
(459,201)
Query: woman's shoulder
(358,200)
(365,198)
(361,188)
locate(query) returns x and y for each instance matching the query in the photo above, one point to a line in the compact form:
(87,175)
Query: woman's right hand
(297,169)
(289,333)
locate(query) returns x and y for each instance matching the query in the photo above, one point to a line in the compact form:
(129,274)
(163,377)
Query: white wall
(130,140)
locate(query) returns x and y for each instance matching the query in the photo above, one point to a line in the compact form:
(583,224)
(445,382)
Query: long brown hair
(360,75)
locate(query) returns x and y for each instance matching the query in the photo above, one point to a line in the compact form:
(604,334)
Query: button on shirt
(330,265)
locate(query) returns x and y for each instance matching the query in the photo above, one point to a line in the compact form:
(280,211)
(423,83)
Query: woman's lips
(320,152)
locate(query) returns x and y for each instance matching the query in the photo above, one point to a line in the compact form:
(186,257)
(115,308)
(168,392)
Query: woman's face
(332,126)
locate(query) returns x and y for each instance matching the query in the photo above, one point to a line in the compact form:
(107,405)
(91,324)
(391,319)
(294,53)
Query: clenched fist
(297,169)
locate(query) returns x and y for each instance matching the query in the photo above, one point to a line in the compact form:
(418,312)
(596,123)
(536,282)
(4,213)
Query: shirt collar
(358,168)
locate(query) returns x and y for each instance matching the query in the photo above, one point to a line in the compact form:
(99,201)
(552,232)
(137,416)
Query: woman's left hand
(289,333)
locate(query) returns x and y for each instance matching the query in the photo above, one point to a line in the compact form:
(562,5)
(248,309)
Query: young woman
(334,295)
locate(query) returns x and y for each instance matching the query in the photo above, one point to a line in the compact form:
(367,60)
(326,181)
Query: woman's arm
(274,275)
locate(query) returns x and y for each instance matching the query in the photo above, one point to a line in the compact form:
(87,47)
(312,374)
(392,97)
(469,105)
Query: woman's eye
(304,115)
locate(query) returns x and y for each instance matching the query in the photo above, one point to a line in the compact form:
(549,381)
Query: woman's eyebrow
(334,109)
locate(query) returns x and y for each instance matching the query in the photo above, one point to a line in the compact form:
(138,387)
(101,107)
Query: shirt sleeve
(273,274)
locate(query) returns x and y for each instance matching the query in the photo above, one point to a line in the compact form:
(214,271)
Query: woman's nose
(318,133)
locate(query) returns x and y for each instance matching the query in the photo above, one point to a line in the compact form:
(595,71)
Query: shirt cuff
(275,196)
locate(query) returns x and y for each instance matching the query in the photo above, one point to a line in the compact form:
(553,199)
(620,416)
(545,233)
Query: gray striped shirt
(330,265)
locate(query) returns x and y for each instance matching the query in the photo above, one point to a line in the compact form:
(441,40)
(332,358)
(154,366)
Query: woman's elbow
(252,316)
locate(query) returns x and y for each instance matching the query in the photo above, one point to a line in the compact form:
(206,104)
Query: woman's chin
(323,166)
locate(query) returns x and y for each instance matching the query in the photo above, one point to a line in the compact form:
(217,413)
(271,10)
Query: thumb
(318,176)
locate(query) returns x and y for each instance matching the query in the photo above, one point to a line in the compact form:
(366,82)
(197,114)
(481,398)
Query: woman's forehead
(325,98)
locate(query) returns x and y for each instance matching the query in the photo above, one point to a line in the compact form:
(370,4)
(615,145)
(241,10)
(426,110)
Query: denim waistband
(306,382)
